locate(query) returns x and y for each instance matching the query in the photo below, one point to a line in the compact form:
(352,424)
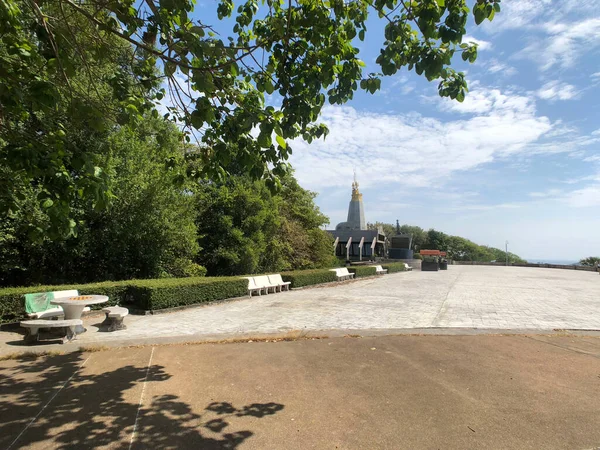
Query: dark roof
(356,235)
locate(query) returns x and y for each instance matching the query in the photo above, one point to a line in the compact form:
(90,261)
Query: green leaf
(479,13)
(170,69)
(281,141)
(269,88)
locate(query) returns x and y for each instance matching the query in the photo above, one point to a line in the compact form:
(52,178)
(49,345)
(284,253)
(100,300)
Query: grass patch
(31,355)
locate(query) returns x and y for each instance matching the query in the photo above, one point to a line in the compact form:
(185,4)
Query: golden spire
(356,195)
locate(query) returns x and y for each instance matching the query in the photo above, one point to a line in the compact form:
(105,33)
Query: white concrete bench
(252,287)
(277,280)
(342,273)
(263,282)
(33,328)
(56,311)
(380,270)
(114,318)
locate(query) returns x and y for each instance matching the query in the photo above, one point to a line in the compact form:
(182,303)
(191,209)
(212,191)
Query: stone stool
(114,318)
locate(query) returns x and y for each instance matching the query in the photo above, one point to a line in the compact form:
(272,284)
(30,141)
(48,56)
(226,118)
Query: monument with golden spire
(356,211)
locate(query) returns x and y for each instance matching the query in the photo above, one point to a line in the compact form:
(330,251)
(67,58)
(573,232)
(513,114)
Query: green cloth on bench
(39,302)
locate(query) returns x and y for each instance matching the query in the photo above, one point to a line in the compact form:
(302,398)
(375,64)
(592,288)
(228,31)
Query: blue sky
(519,160)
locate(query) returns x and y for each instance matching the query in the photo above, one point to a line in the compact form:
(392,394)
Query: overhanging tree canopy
(307,55)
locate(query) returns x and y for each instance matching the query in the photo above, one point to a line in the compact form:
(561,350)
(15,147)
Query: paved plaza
(480,297)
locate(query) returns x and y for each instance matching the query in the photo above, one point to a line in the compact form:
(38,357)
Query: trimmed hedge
(172,292)
(138,294)
(362,271)
(395,267)
(300,278)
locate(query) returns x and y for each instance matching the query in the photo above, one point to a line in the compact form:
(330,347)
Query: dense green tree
(592,261)
(148,230)
(388,229)
(235,220)
(419,236)
(244,228)
(59,59)
(436,240)
(64,85)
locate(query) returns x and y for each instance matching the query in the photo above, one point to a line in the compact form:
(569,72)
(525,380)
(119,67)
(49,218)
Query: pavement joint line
(436,320)
(47,403)
(137,414)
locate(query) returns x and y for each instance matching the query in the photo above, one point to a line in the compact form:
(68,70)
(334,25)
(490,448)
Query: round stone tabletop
(80,300)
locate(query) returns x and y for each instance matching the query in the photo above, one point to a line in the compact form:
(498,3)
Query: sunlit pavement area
(464,297)
(413,392)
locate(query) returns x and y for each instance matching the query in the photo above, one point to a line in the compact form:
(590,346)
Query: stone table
(74,306)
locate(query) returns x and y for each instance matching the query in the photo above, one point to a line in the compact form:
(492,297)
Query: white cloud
(500,68)
(556,90)
(564,43)
(481,44)
(412,149)
(525,14)
(585,197)
(403,84)
(548,193)
(516,14)
(480,101)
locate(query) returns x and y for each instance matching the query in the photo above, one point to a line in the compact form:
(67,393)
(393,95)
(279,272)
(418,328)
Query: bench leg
(32,335)
(71,334)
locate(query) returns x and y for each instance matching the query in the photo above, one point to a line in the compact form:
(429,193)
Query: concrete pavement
(414,392)
(464,297)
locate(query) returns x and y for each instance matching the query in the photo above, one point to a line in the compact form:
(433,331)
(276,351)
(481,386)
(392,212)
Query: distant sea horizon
(565,262)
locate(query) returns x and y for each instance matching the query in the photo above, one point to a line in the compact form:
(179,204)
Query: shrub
(301,278)
(182,267)
(417,256)
(172,292)
(139,294)
(362,271)
(395,267)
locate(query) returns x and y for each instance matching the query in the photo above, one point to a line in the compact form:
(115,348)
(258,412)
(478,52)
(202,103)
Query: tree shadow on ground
(100,409)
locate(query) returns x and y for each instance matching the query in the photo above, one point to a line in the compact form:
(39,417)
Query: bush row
(395,267)
(151,295)
(158,294)
(137,294)
(362,271)
(300,278)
